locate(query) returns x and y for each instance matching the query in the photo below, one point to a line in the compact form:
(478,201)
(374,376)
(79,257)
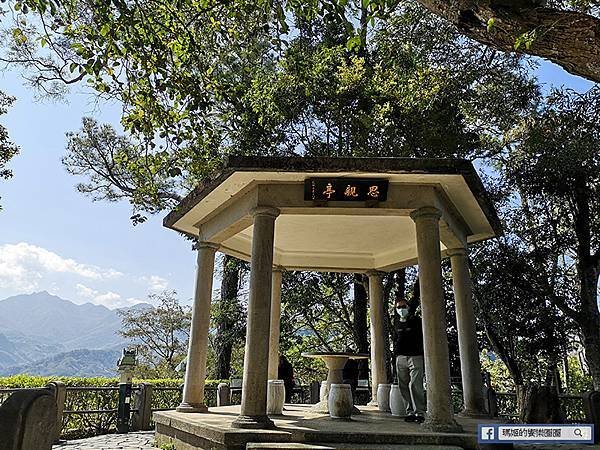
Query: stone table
(335,362)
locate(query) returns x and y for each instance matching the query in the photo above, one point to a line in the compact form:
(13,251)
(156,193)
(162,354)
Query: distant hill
(16,348)
(57,321)
(38,327)
(76,363)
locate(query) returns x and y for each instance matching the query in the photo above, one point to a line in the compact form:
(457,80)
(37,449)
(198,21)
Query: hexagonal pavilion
(370,215)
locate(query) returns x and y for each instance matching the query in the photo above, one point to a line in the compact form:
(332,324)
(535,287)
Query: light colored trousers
(410,370)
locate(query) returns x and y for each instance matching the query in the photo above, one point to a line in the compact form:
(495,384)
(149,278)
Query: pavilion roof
(454,180)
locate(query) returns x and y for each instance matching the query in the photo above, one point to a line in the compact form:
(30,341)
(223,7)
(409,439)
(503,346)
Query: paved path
(142,440)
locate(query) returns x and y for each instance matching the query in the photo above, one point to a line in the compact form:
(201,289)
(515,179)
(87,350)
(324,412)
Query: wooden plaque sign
(345,189)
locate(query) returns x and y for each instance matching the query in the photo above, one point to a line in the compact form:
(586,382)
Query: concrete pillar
(223,394)
(474,403)
(143,403)
(275,321)
(59,390)
(440,416)
(253,411)
(195,371)
(378,372)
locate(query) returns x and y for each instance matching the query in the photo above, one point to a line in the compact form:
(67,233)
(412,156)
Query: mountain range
(42,334)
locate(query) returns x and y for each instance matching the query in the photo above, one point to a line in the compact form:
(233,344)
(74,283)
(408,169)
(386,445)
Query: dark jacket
(409,340)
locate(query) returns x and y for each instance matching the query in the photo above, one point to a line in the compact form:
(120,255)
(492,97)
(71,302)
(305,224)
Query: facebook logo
(487,433)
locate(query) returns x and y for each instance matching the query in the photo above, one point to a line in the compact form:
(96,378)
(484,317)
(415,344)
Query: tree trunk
(361,329)
(386,333)
(400,282)
(225,326)
(566,373)
(587,271)
(538,404)
(590,321)
(591,344)
(570,39)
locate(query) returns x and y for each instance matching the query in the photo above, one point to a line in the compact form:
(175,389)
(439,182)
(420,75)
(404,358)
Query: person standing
(410,365)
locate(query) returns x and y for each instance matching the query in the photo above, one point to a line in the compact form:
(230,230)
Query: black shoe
(410,418)
(419,419)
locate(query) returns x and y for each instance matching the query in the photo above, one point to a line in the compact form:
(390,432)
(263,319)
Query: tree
(410,87)
(158,333)
(7,149)
(382,81)
(360,327)
(523,328)
(227,315)
(555,171)
(118,168)
(243,76)
(561,31)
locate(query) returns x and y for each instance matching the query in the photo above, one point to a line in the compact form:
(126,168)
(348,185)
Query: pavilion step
(318,446)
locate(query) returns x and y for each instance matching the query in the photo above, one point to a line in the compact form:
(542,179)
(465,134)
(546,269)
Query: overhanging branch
(570,39)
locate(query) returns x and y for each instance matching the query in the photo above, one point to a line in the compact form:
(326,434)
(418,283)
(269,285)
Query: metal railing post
(124,410)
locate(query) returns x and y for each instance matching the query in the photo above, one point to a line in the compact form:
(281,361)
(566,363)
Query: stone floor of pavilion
(301,429)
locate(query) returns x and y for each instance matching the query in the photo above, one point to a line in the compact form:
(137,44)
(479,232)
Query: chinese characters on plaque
(345,189)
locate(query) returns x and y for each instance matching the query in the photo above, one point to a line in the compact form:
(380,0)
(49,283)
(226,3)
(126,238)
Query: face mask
(402,312)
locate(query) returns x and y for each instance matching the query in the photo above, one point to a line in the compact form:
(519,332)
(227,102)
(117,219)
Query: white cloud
(155,283)
(23,265)
(84,291)
(109,299)
(26,268)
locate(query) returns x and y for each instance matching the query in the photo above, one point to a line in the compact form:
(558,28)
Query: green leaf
(105,30)
(353,42)
(490,24)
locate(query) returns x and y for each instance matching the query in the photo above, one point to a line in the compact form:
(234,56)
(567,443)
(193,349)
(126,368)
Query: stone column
(378,372)
(474,404)
(275,321)
(253,412)
(440,416)
(195,371)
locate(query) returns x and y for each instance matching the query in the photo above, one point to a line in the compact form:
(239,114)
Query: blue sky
(53,238)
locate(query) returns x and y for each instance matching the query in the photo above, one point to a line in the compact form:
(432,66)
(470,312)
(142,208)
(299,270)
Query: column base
(373,403)
(192,408)
(253,422)
(441,427)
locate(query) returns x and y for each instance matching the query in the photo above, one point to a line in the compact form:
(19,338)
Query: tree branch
(570,39)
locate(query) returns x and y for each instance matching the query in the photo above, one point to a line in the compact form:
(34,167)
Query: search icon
(577,432)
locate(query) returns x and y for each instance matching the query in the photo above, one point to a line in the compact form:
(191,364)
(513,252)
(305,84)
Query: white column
(474,404)
(195,372)
(378,372)
(440,416)
(275,324)
(253,411)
